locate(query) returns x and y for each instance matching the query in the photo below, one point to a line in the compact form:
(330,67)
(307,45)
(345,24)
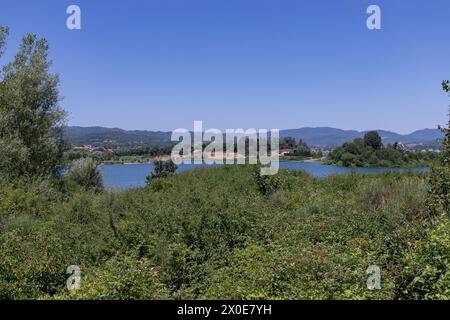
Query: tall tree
(373,139)
(31,120)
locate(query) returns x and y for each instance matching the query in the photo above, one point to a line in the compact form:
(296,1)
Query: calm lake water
(133,175)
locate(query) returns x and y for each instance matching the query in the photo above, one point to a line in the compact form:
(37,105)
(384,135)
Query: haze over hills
(320,137)
(332,137)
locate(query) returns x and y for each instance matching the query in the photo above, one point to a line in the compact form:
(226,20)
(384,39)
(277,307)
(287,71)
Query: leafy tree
(31,121)
(162,169)
(301,149)
(362,153)
(349,159)
(373,139)
(287,143)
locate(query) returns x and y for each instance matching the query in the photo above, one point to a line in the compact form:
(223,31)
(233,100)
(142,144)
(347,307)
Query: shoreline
(308,160)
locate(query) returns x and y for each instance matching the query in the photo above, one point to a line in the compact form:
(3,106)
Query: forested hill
(115,137)
(332,137)
(322,136)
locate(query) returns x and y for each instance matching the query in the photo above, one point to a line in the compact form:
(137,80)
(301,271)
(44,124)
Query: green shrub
(27,198)
(86,174)
(439,192)
(267,184)
(162,169)
(427,269)
(31,264)
(212,233)
(123,277)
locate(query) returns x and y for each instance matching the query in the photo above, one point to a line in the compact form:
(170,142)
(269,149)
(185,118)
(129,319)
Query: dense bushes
(370,152)
(123,277)
(162,169)
(212,233)
(86,174)
(427,271)
(267,184)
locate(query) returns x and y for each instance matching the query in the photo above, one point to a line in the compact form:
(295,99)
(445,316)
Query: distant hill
(332,137)
(321,136)
(115,137)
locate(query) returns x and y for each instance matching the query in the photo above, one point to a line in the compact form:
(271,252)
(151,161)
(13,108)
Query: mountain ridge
(313,136)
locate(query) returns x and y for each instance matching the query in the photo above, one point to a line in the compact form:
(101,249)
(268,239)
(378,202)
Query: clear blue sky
(161,64)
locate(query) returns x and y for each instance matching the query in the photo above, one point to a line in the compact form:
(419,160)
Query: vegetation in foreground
(224,234)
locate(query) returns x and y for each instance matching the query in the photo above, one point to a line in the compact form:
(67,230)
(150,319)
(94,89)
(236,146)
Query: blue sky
(161,64)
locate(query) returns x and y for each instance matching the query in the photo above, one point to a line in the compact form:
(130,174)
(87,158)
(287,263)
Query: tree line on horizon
(369,151)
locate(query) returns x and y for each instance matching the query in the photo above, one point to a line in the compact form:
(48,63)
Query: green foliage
(4,32)
(372,139)
(446,85)
(288,143)
(267,184)
(118,139)
(370,152)
(439,191)
(122,277)
(212,233)
(85,173)
(31,119)
(300,149)
(162,169)
(446,156)
(439,201)
(26,198)
(427,271)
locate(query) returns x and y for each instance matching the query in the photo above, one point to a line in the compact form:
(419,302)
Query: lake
(133,175)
